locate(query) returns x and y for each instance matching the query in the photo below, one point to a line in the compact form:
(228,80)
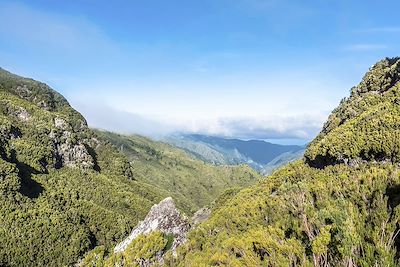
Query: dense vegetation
(366,126)
(65,190)
(301,216)
(339,206)
(141,252)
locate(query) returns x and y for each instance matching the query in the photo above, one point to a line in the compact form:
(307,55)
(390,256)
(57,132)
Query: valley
(245,133)
(258,154)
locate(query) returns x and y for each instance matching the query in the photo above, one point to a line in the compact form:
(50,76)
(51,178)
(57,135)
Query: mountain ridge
(258,154)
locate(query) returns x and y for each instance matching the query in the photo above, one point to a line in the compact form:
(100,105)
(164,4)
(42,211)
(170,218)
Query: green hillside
(65,189)
(365,127)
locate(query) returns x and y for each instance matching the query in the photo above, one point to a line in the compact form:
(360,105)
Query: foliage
(143,250)
(52,214)
(366,126)
(303,216)
(345,212)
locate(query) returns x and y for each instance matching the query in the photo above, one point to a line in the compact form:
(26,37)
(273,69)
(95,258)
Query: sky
(250,69)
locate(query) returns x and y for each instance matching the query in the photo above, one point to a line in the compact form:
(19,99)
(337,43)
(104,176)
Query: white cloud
(104,117)
(304,126)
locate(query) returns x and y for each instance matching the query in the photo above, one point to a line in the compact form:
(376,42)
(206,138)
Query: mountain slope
(65,189)
(220,151)
(365,127)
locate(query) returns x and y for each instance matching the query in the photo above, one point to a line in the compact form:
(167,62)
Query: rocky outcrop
(166,218)
(22,114)
(75,156)
(163,217)
(68,152)
(60,123)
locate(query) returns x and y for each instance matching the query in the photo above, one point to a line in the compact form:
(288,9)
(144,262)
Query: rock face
(69,153)
(163,217)
(75,156)
(49,132)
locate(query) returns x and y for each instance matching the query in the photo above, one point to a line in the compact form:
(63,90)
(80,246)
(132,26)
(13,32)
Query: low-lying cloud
(303,127)
(272,127)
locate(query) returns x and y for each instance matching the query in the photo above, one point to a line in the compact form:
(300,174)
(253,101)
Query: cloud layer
(304,127)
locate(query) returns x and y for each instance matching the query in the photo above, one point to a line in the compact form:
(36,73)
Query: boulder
(164,217)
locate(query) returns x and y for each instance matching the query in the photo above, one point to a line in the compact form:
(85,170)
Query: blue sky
(265,69)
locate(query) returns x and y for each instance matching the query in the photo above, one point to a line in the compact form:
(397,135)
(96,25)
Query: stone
(23,91)
(163,217)
(75,155)
(22,114)
(60,123)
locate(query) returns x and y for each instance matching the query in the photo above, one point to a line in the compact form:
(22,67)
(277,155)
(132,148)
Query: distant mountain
(260,155)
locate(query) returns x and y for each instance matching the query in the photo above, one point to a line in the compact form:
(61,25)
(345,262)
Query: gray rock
(165,218)
(60,123)
(75,155)
(22,114)
(23,91)
(44,105)
(68,152)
